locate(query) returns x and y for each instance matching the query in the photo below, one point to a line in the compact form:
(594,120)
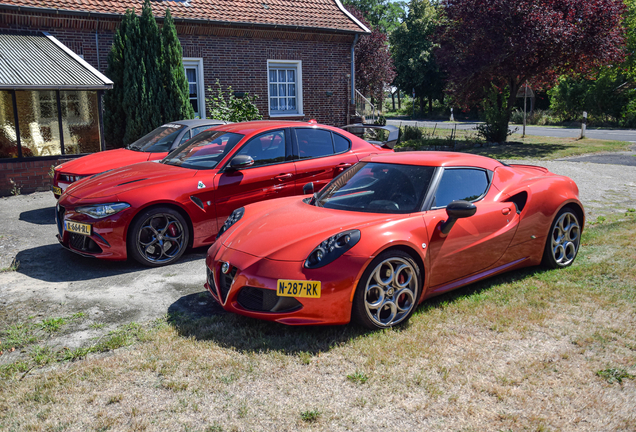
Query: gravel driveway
(52,282)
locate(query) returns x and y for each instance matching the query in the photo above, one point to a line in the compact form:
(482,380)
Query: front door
(474,243)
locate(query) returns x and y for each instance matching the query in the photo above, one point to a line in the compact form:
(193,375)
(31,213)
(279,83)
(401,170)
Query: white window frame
(197,62)
(298,64)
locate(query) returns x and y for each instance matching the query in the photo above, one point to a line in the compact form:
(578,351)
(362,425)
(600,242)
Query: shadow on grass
(200,317)
(518,150)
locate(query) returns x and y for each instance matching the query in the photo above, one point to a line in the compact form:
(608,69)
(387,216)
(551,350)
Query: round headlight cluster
(332,248)
(231,220)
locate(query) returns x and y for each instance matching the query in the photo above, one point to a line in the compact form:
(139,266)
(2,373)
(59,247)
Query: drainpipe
(353,71)
(97,45)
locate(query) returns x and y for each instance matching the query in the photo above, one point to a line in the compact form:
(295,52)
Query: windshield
(159,140)
(378,188)
(204,151)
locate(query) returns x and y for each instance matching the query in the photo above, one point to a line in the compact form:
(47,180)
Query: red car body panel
(148,184)
(274,238)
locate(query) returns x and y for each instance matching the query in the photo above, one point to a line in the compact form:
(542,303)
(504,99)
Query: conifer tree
(114,114)
(176,92)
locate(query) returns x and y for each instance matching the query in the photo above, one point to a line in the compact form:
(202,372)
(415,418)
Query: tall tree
(374,65)
(412,47)
(114,113)
(384,15)
(508,42)
(177,102)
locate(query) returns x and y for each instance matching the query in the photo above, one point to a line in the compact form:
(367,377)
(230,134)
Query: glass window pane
(195,106)
(191,73)
(460,184)
(193,90)
(273,102)
(80,123)
(281,90)
(291,89)
(314,142)
(291,75)
(272,76)
(291,103)
(40,136)
(8,136)
(273,90)
(266,149)
(341,144)
(281,76)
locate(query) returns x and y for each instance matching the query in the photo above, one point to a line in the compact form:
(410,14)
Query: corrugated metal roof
(36,60)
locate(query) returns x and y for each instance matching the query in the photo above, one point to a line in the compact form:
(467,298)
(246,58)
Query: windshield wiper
(133,147)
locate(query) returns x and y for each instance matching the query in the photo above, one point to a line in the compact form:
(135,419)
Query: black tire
(147,239)
(564,239)
(395,300)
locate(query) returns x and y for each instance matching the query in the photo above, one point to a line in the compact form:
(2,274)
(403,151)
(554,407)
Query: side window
(314,143)
(460,184)
(341,144)
(197,130)
(186,136)
(266,149)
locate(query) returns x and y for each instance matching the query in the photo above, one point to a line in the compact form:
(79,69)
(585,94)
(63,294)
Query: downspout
(353,80)
(353,71)
(97,44)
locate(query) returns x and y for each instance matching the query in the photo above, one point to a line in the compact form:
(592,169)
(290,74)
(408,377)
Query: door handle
(343,166)
(505,211)
(282,177)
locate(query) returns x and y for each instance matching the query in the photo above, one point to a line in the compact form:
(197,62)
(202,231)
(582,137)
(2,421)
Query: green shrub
(227,106)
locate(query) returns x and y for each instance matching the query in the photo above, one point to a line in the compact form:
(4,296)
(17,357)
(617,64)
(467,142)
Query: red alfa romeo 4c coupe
(388,233)
(153,211)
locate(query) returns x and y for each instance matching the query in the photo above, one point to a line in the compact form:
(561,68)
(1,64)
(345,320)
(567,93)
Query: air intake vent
(519,200)
(266,300)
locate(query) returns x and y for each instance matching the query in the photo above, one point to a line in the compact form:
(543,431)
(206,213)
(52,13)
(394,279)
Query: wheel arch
(407,248)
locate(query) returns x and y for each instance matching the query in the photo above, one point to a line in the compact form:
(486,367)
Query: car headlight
(231,220)
(332,248)
(98,211)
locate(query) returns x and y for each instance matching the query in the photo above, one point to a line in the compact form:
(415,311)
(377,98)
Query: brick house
(295,55)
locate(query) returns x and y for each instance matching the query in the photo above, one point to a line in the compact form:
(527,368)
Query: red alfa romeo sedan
(153,211)
(153,146)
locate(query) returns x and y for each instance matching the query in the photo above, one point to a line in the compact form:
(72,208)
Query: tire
(386,302)
(564,239)
(158,237)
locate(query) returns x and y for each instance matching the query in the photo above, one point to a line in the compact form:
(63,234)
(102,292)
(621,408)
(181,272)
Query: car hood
(103,161)
(288,229)
(126,178)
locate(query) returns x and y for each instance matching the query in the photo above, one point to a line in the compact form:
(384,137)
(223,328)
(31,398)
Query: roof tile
(323,14)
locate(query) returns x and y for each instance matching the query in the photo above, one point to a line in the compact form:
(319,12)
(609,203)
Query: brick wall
(31,176)
(236,56)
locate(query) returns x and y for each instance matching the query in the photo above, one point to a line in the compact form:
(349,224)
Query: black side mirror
(308,188)
(241,161)
(457,210)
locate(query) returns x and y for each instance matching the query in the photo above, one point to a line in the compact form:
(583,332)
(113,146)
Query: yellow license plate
(78,227)
(296,288)
(56,190)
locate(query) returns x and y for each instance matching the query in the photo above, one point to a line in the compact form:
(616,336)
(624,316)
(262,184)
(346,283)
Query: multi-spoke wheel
(158,237)
(388,290)
(563,240)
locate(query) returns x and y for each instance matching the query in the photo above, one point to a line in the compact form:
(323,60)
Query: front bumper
(108,237)
(249,287)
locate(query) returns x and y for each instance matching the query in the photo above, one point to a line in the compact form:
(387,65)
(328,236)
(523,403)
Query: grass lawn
(530,147)
(529,350)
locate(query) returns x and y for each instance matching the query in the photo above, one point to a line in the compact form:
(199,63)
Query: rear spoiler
(358,129)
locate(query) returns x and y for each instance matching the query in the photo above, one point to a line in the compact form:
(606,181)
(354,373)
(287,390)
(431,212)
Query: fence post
(583,124)
(451,117)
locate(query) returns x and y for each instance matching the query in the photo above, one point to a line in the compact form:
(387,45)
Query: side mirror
(457,210)
(308,188)
(241,161)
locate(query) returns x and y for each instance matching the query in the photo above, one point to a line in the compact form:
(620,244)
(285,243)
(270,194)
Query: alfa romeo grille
(225,281)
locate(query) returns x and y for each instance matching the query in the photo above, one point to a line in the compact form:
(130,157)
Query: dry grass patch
(529,350)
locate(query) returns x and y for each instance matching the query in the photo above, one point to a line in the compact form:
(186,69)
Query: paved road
(559,132)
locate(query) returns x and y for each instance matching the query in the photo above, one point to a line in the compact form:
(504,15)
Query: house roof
(305,14)
(36,60)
